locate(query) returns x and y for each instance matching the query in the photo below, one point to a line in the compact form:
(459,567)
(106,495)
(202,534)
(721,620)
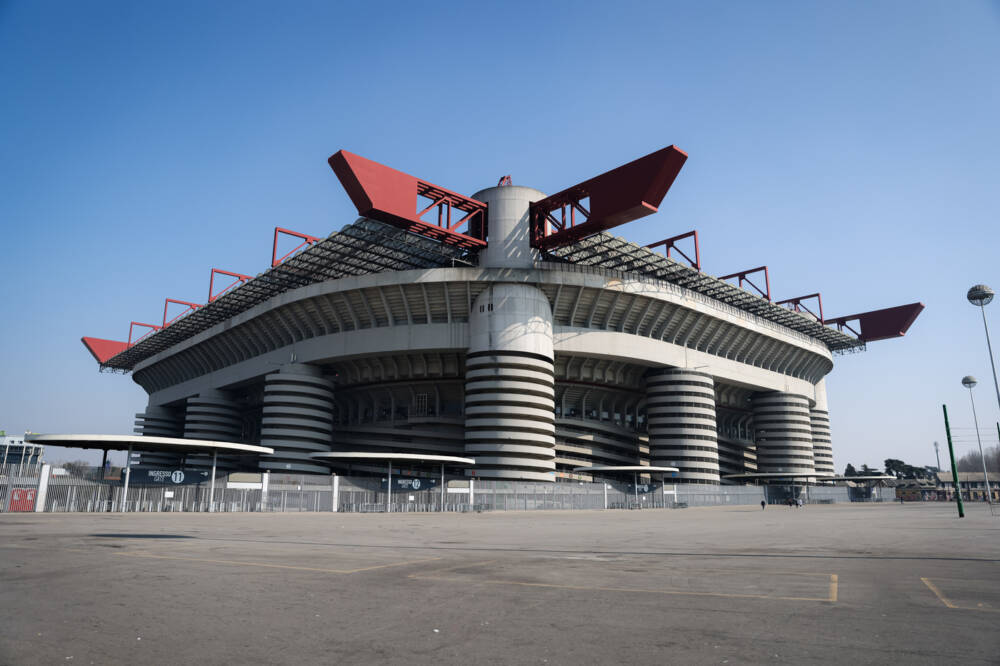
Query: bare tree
(973,462)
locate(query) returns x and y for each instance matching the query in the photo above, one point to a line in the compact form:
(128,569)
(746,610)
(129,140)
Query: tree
(973,462)
(868,471)
(896,468)
(76,468)
(850,471)
(901,470)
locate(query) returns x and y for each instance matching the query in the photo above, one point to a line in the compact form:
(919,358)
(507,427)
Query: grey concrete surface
(869,584)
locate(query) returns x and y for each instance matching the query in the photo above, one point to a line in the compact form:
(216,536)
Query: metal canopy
(349,456)
(609,252)
(366,246)
(145,443)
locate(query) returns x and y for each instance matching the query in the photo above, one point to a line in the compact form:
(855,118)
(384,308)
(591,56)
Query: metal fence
(93,490)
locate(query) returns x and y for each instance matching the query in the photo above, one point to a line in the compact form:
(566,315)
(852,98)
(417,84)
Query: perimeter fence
(96,490)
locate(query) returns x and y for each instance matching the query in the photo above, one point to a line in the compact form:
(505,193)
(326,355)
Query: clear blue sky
(853,147)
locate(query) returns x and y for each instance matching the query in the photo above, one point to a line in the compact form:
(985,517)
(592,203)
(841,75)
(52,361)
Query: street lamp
(969,382)
(982,295)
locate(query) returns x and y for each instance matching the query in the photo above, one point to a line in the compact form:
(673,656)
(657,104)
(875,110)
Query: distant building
(17,454)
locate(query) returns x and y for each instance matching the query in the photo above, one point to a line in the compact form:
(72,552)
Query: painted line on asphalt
(949,603)
(432,575)
(275,566)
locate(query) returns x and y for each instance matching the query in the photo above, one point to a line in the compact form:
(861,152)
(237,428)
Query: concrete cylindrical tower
(680,413)
(159,421)
(509,228)
(510,381)
(297,419)
(783,433)
(215,416)
(819,416)
(510,385)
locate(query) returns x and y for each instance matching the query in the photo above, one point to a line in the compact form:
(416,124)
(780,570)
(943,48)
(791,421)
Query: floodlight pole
(989,347)
(986,478)
(954,469)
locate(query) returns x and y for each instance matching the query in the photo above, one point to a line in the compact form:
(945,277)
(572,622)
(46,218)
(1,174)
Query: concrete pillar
(510,385)
(783,433)
(297,419)
(819,417)
(680,416)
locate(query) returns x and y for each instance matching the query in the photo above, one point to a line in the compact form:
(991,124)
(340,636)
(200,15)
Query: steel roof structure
(606,251)
(366,246)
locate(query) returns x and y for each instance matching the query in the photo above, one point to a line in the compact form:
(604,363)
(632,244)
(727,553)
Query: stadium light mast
(937,455)
(970,382)
(982,296)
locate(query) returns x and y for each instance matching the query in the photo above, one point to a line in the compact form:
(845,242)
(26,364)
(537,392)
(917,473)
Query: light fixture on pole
(982,295)
(970,382)
(937,455)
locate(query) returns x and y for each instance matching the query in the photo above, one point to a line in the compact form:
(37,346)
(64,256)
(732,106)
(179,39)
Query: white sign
(464,491)
(168,494)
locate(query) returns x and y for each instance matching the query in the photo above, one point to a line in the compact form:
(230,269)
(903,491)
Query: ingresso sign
(168,477)
(410,483)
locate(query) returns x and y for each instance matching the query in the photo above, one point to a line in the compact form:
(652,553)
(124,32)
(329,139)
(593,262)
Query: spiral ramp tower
(158,421)
(213,415)
(297,419)
(783,427)
(680,409)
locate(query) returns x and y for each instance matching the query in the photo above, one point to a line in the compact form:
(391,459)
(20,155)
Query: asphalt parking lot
(836,583)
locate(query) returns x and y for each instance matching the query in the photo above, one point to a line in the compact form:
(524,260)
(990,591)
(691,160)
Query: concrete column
(680,413)
(819,417)
(297,419)
(509,382)
(783,433)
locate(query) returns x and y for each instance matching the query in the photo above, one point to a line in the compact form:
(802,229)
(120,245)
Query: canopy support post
(128,475)
(211,487)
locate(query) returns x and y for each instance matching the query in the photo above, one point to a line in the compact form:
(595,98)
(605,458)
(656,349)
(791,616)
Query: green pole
(954,469)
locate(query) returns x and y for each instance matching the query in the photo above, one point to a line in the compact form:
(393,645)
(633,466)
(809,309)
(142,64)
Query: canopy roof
(625,468)
(145,443)
(366,246)
(610,252)
(352,456)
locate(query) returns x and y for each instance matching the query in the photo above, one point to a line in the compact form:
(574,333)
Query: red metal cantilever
(166,304)
(671,244)
(880,324)
(618,196)
(393,197)
(240,279)
(742,275)
(797,305)
(104,350)
(306,240)
(153,328)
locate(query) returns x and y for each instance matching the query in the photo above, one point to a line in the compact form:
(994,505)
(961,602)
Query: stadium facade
(509,327)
